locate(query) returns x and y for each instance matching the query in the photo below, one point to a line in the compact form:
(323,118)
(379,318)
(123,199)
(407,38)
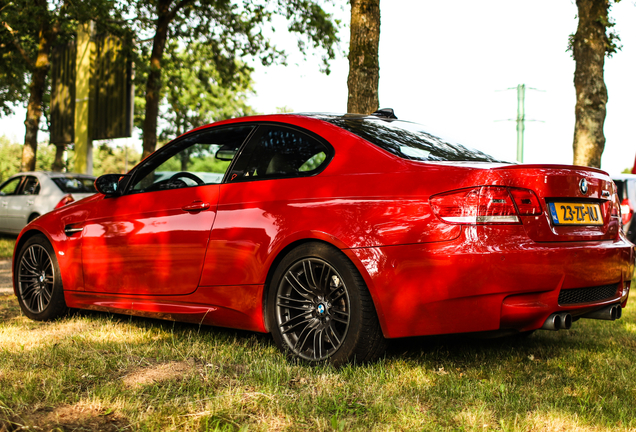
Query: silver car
(27,195)
(626,185)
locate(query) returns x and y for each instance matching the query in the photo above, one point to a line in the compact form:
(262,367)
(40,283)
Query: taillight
(68,198)
(526,201)
(626,211)
(480,205)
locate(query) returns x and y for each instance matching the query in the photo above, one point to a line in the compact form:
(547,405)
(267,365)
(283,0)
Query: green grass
(6,245)
(96,371)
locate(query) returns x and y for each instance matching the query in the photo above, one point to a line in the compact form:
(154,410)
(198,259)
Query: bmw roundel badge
(583,186)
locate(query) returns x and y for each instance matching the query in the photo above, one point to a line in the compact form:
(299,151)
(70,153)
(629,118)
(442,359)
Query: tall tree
(194,92)
(231,29)
(30,29)
(590,45)
(364,63)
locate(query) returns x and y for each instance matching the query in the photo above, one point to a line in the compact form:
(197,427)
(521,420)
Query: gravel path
(6,286)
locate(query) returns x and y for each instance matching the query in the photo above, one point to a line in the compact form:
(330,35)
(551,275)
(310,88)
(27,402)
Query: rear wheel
(38,280)
(320,309)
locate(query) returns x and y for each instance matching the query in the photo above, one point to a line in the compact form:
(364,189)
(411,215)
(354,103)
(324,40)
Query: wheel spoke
(289,306)
(334,334)
(306,318)
(336,298)
(339,319)
(309,273)
(302,300)
(298,286)
(303,336)
(318,344)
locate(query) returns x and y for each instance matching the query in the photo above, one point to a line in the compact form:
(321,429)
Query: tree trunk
(364,65)
(589,46)
(36,93)
(153,85)
(58,163)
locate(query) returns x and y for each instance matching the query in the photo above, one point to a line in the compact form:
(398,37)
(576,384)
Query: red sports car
(333,232)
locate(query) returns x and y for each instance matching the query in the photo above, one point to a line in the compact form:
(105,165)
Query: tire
(38,279)
(320,310)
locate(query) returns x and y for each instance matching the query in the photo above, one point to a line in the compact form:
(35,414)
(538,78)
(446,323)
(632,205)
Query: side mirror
(108,184)
(225,154)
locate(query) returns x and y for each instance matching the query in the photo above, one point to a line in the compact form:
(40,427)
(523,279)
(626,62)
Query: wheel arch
(328,240)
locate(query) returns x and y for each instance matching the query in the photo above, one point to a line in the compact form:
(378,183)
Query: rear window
(75,184)
(409,140)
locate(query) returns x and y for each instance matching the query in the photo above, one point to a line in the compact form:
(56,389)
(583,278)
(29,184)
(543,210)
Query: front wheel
(38,279)
(320,310)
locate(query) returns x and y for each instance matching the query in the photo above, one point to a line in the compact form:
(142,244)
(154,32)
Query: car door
(21,204)
(9,200)
(271,178)
(152,240)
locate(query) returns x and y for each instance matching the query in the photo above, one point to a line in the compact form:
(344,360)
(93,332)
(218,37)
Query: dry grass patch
(154,374)
(78,417)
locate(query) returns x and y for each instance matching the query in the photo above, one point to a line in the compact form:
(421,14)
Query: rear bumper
(474,284)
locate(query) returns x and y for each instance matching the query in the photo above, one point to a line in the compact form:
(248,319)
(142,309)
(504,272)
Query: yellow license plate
(564,213)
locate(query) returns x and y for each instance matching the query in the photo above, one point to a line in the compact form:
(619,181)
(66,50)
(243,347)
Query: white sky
(443,63)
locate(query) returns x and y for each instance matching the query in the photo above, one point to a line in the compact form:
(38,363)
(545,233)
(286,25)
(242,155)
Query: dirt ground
(6,287)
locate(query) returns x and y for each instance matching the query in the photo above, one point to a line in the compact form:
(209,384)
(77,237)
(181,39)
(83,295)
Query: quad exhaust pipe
(610,313)
(563,320)
(558,321)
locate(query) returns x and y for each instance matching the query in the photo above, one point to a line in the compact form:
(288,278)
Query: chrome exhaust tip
(566,321)
(552,323)
(558,321)
(609,313)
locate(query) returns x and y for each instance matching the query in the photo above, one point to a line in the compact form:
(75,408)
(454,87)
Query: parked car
(27,195)
(334,232)
(626,185)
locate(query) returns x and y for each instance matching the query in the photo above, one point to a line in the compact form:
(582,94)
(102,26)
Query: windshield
(409,140)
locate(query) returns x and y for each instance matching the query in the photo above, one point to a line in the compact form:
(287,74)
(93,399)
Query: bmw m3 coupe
(333,233)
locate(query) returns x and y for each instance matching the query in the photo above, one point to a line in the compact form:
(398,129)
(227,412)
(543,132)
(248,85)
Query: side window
(10,187)
(198,159)
(31,186)
(280,152)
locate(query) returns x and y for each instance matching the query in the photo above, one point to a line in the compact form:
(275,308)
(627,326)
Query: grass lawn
(97,371)
(6,245)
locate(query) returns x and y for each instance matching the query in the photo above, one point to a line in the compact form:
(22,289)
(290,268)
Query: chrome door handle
(196,206)
(69,230)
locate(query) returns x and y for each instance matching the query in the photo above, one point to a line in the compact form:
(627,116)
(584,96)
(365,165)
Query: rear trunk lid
(577,202)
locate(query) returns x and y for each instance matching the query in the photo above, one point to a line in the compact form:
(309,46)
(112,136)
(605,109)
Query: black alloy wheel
(38,280)
(320,309)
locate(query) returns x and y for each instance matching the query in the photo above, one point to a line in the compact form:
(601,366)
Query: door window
(197,159)
(280,152)
(11,186)
(31,186)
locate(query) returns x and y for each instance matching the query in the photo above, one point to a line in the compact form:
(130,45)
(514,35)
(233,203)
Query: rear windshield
(75,184)
(409,140)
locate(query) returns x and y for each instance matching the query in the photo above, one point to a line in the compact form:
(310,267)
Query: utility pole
(521,117)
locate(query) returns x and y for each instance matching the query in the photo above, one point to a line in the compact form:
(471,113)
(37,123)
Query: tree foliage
(195,93)
(230,30)
(30,29)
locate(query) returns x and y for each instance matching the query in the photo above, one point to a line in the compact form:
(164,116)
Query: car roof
(54,174)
